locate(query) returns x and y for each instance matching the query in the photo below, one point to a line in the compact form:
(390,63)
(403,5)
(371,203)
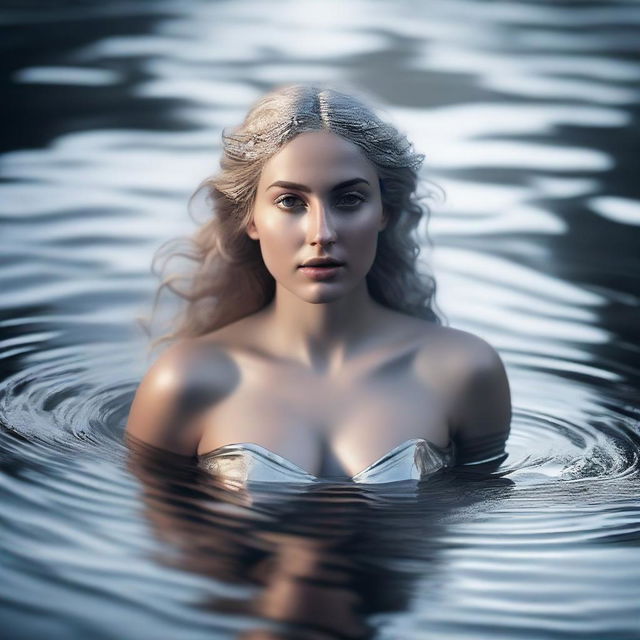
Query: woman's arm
(480,414)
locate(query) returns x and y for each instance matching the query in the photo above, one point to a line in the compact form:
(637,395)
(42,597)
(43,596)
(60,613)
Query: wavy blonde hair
(230,279)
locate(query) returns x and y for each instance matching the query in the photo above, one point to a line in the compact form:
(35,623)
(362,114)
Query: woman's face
(318,197)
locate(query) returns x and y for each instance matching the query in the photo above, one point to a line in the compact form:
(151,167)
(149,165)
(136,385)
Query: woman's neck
(322,336)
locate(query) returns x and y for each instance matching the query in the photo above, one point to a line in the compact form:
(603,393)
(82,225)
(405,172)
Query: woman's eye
(289,202)
(350,200)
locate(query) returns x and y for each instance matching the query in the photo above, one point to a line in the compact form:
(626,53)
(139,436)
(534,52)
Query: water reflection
(291,554)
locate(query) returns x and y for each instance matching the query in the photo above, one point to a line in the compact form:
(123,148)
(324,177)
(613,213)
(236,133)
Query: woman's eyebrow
(302,187)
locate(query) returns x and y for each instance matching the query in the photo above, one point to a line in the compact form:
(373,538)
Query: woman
(309,348)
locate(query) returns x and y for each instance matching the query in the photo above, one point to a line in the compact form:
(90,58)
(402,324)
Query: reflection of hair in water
(350,550)
(230,280)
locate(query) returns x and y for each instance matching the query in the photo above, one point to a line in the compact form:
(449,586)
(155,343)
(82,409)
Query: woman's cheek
(278,252)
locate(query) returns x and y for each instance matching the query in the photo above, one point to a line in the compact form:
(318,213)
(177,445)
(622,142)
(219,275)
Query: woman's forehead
(317,158)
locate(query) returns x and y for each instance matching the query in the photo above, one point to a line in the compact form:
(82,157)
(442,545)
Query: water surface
(527,113)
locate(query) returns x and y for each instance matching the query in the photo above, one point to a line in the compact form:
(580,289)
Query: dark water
(528,115)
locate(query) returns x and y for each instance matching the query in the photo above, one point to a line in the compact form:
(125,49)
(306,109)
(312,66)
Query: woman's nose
(321,229)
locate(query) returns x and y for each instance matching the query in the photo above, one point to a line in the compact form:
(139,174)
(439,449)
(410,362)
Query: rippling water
(528,113)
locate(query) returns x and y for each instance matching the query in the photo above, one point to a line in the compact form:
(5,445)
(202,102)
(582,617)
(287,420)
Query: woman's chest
(309,418)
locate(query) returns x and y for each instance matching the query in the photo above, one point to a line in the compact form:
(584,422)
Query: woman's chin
(323,297)
(322,292)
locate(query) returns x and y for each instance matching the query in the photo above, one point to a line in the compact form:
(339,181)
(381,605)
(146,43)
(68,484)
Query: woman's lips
(320,272)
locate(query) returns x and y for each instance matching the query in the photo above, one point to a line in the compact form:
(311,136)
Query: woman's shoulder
(474,381)
(185,361)
(183,381)
(470,374)
(461,348)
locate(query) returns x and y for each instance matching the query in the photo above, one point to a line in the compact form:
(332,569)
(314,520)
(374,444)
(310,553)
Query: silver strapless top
(248,462)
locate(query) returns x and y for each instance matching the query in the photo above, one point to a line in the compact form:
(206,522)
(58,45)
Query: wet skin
(324,376)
